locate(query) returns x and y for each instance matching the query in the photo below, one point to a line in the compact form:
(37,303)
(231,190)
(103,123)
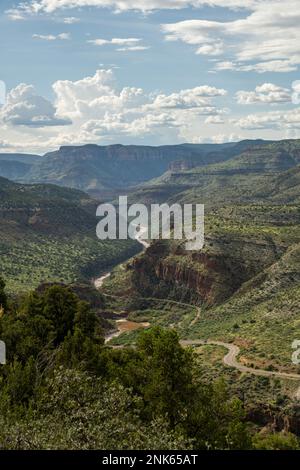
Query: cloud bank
(96,109)
(267,40)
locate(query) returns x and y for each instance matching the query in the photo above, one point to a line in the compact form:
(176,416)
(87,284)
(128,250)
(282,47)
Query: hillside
(92,167)
(48,234)
(245,283)
(27,158)
(15,166)
(268,173)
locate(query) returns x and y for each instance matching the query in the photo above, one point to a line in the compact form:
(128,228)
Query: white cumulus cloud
(285,120)
(98,110)
(214,120)
(25,107)
(266,93)
(198,97)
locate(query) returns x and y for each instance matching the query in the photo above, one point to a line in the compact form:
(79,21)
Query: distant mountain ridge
(270,172)
(27,158)
(99,168)
(15,166)
(106,171)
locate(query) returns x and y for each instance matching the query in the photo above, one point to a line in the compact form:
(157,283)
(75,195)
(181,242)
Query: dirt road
(230,359)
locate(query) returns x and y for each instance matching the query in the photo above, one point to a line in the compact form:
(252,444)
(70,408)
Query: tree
(60,307)
(18,386)
(215,419)
(3,296)
(85,319)
(168,383)
(79,411)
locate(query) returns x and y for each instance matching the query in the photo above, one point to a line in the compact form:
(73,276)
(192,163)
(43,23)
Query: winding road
(100,280)
(231,357)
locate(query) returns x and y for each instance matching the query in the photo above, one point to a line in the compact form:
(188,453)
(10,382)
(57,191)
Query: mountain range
(243,287)
(105,169)
(261,174)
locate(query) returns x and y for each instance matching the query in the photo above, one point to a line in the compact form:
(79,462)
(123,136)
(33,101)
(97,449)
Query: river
(123,324)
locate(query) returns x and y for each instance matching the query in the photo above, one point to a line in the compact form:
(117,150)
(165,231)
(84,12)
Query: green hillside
(246,279)
(48,234)
(270,173)
(245,283)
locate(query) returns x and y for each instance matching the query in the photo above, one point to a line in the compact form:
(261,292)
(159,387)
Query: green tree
(17,386)
(168,381)
(60,307)
(215,419)
(85,319)
(3,296)
(79,411)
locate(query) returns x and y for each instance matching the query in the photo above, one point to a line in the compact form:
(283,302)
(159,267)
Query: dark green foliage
(167,387)
(44,320)
(3,297)
(64,389)
(280,441)
(60,308)
(18,384)
(216,420)
(78,411)
(85,320)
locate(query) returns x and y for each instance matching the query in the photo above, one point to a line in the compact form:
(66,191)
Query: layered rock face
(210,276)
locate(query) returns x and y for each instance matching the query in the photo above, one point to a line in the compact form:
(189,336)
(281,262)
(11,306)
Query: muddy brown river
(123,324)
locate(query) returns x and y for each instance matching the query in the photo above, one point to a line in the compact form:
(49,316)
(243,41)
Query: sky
(149,72)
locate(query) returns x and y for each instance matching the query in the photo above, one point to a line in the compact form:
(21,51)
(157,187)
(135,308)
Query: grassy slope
(48,234)
(267,174)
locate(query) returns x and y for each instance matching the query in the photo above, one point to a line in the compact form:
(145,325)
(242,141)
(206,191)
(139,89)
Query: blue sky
(169,71)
